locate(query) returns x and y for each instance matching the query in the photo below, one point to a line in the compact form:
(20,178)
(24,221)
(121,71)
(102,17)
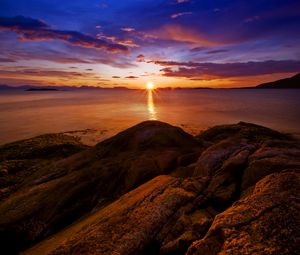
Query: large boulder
(55,195)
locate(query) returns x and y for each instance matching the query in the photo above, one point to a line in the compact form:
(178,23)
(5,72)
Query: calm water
(95,115)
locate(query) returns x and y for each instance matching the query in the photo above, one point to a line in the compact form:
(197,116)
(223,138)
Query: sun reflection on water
(151,106)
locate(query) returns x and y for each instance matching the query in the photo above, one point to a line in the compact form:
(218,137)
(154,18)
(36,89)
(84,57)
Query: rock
(21,159)
(223,162)
(41,147)
(147,135)
(225,154)
(123,227)
(264,222)
(56,195)
(242,130)
(272,156)
(187,228)
(187,159)
(151,189)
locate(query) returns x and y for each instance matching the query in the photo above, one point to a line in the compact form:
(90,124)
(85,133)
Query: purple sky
(130,42)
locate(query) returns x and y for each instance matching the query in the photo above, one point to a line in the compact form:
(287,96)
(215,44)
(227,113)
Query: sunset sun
(149,85)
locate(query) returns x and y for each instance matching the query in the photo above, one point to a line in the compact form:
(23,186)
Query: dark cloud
(22,23)
(131,77)
(44,54)
(32,29)
(7,60)
(45,73)
(70,56)
(225,70)
(140,58)
(197,49)
(216,51)
(116,77)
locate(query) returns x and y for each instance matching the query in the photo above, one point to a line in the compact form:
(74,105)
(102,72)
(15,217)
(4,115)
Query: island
(42,89)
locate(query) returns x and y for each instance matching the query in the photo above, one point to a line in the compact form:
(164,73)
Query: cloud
(44,72)
(226,70)
(197,49)
(69,56)
(140,58)
(21,22)
(131,77)
(128,29)
(252,19)
(7,60)
(182,1)
(182,34)
(36,30)
(44,54)
(113,39)
(216,51)
(116,77)
(179,14)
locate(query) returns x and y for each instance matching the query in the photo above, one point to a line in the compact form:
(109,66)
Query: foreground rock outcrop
(264,222)
(154,189)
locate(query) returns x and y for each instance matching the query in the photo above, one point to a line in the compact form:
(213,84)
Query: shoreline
(91,137)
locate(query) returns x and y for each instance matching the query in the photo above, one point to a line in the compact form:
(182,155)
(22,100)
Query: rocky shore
(152,189)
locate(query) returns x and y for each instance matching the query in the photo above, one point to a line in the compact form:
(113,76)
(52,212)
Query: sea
(94,115)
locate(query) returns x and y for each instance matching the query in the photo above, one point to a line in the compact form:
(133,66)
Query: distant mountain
(7,87)
(287,83)
(4,87)
(42,89)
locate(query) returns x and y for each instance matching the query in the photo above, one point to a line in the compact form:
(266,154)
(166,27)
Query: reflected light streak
(151,107)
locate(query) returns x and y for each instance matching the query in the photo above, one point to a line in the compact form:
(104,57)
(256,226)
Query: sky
(172,43)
